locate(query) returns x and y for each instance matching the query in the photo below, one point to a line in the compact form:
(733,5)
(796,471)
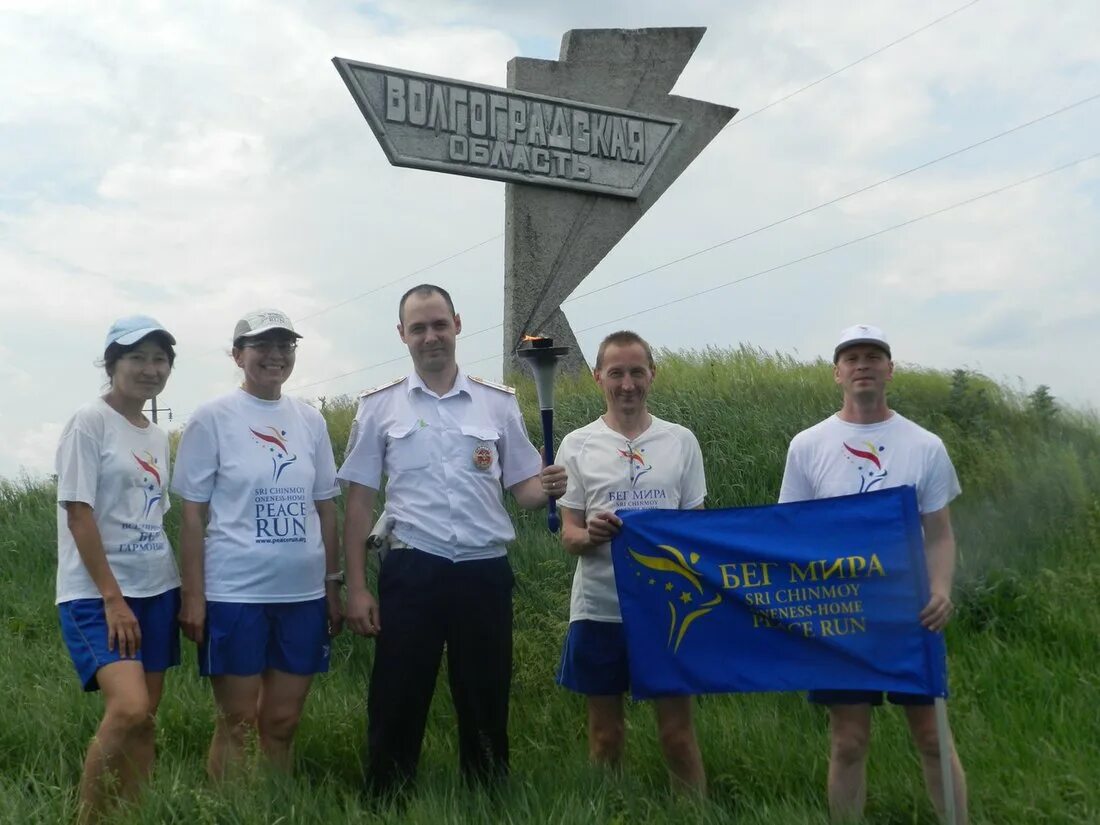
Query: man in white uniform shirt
(626,458)
(864,447)
(448,444)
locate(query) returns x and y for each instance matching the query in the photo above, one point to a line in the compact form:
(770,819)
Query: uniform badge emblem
(483,457)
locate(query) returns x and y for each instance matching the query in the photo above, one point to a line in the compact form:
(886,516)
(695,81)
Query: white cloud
(13,377)
(34,452)
(208,160)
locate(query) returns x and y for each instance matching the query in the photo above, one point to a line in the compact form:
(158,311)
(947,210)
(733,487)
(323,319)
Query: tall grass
(1023,650)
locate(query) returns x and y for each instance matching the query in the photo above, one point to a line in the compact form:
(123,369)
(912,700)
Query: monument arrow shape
(586,145)
(555,238)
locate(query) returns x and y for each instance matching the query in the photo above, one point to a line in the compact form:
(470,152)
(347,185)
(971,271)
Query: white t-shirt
(121,471)
(837,458)
(660,469)
(261,465)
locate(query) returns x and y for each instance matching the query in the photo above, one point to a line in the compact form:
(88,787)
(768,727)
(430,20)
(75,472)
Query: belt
(394,543)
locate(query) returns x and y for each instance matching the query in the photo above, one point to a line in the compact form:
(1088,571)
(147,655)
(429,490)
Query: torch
(542,356)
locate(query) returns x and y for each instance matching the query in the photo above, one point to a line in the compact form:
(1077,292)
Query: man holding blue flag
(867,446)
(627,458)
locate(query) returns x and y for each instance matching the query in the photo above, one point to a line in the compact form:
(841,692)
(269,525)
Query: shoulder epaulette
(381,387)
(493,384)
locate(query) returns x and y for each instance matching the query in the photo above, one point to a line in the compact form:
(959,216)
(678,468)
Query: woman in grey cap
(258,546)
(117,583)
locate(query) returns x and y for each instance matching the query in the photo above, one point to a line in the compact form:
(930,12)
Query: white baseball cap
(861,334)
(133,328)
(260,321)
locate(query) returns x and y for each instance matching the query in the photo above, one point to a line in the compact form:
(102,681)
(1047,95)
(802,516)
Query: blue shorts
(593,660)
(84,629)
(867,697)
(244,639)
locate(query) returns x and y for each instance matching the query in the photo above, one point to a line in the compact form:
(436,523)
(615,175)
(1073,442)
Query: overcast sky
(197,160)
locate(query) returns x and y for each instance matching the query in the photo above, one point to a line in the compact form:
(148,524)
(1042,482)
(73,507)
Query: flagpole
(947,771)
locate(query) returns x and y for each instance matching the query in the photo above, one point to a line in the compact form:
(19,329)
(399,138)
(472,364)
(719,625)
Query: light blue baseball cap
(133,328)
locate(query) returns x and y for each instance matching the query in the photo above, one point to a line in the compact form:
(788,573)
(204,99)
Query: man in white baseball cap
(861,334)
(867,446)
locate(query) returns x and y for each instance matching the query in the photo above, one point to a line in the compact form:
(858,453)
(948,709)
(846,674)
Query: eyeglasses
(265,345)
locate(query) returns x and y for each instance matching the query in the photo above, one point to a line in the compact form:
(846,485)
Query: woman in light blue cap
(117,582)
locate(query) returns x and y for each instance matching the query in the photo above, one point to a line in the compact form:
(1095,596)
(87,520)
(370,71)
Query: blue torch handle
(553,522)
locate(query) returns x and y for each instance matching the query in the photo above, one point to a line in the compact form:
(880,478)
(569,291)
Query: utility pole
(153,410)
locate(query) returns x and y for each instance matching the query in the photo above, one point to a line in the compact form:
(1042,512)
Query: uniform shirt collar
(461,385)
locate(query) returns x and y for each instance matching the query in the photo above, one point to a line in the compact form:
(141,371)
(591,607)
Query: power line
(402,278)
(836,200)
(736,122)
(787,219)
(465,337)
(757,274)
(346,374)
(851,242)
(804,212)
(865,57)
(407,275)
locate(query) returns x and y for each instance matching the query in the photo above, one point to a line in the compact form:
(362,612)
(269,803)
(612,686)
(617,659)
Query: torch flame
(532,337)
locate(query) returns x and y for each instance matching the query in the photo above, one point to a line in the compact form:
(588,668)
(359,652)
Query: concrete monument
(586,144)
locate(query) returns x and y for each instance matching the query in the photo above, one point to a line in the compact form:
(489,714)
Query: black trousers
(427,602)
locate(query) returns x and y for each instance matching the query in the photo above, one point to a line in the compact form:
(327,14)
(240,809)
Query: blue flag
(819,594)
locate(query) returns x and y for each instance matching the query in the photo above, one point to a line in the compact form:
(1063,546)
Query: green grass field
(1024,650)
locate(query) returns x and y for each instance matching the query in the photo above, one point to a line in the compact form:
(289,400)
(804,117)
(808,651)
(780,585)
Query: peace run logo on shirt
(868,463)
(275,441)
(280,514)
(150,481)
(149,536)
(636,462)
(636,497)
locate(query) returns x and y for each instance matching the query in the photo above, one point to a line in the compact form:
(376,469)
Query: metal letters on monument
(442,125)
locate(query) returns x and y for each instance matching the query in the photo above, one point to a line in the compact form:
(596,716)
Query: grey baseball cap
(260,321)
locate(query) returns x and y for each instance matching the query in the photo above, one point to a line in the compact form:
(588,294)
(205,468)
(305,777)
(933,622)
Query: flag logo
(687,597)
